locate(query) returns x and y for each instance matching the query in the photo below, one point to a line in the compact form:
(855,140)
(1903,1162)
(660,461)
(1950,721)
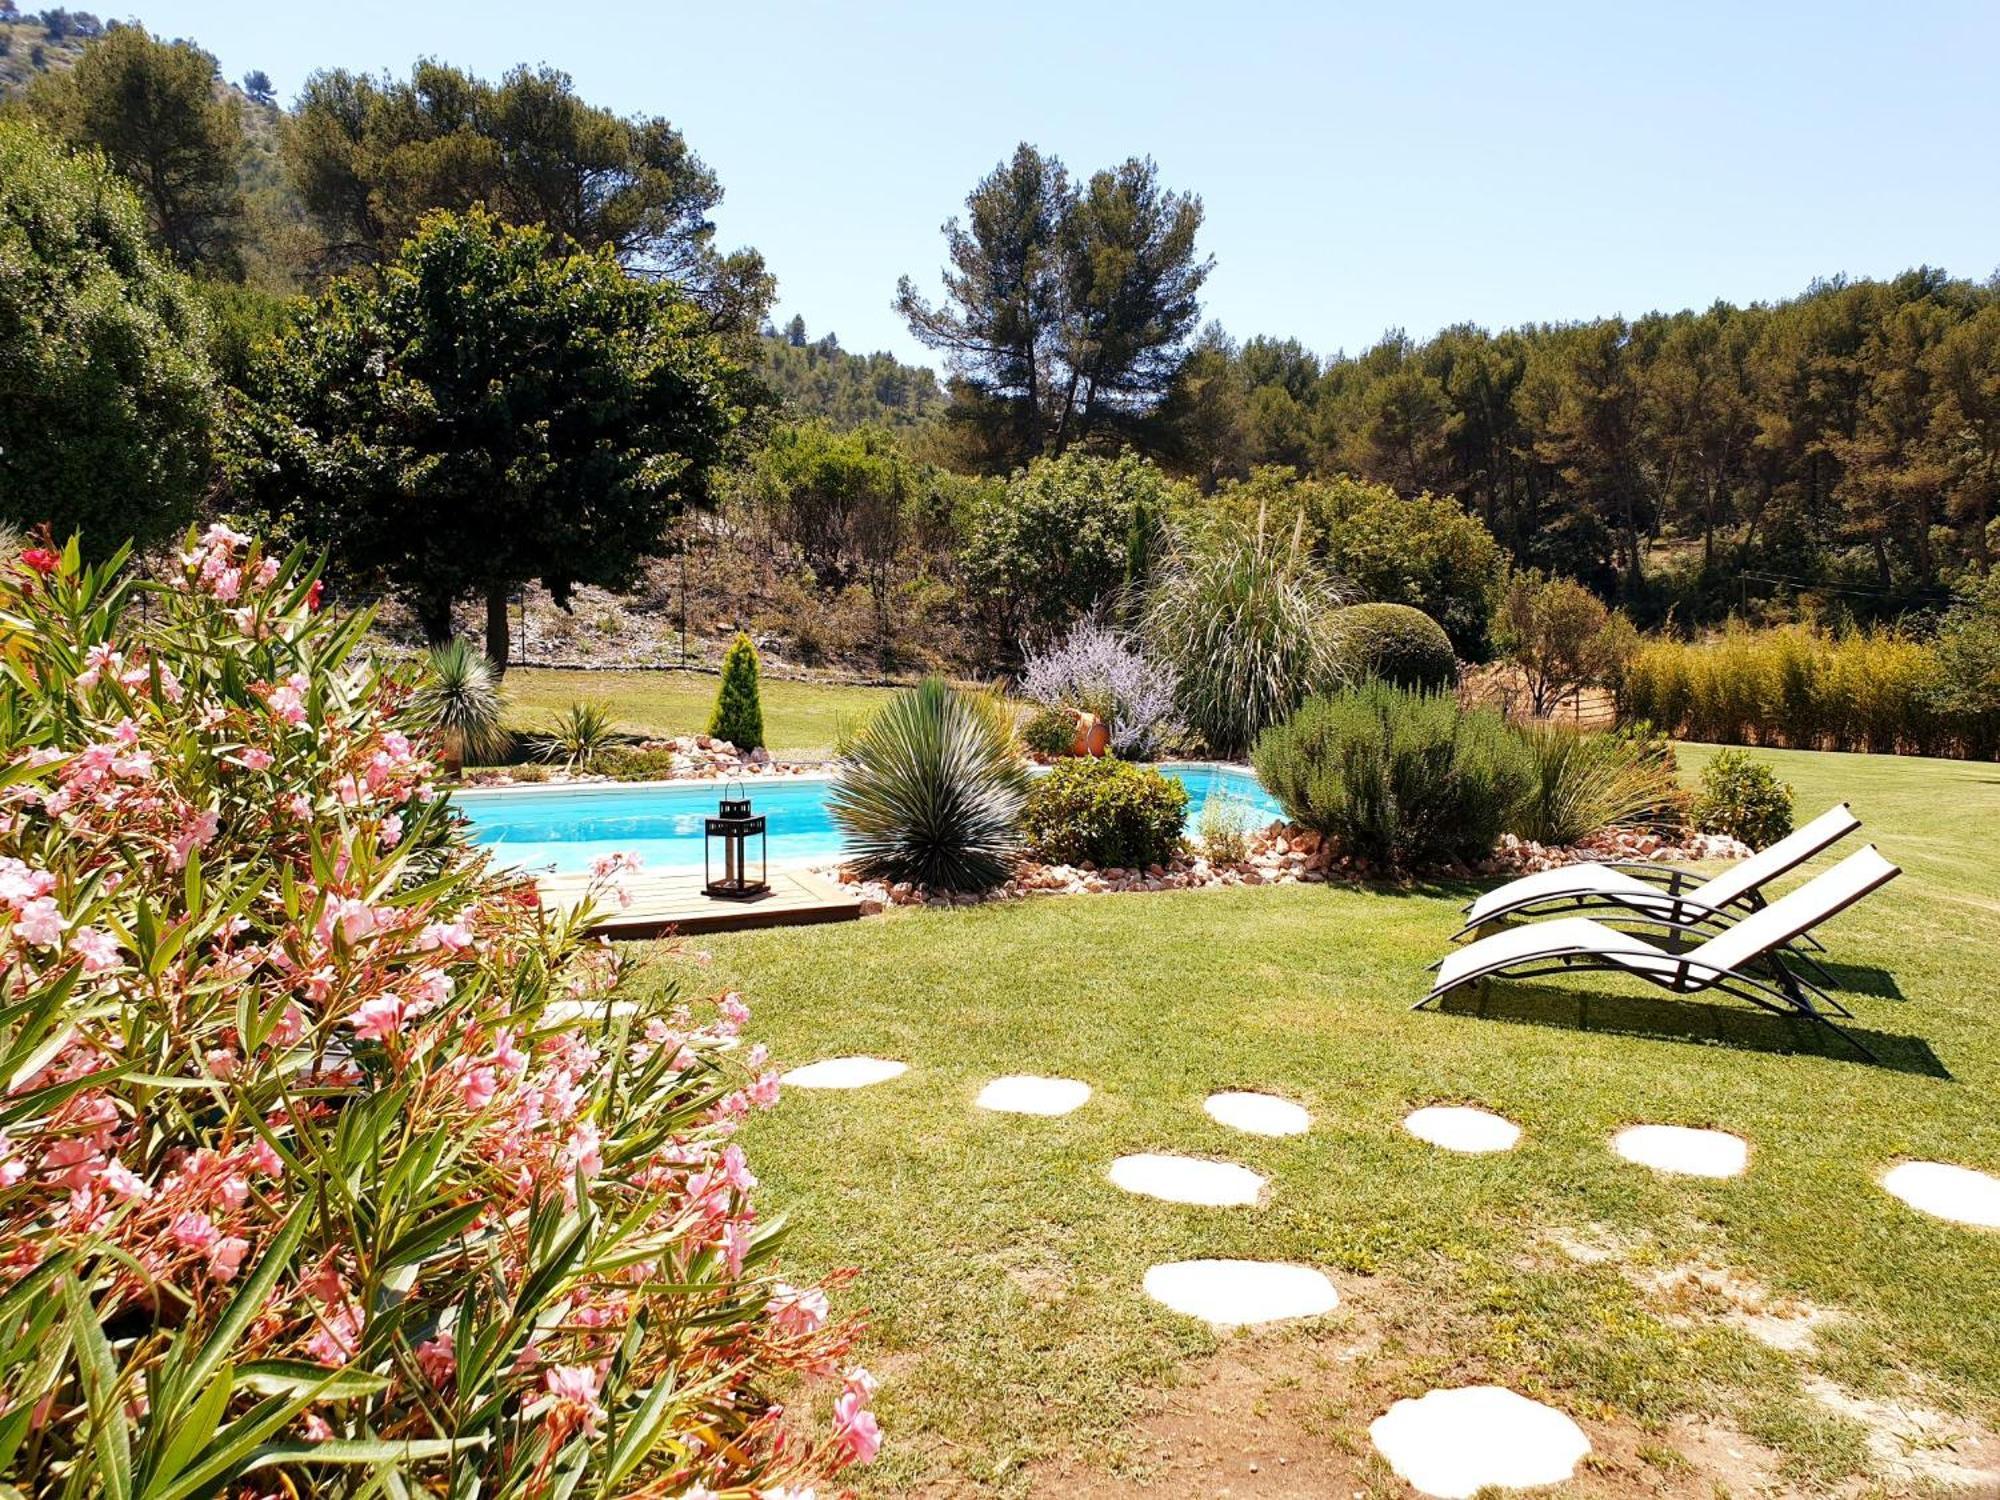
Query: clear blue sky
(1363,167)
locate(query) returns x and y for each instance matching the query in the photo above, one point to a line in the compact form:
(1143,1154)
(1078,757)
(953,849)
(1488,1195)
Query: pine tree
(739,715)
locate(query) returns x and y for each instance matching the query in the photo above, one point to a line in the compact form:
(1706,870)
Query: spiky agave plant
(1245,621)
(581,733)
(930,790)
(459,700)
(1583,783)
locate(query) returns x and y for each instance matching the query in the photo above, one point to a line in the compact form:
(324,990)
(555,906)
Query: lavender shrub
(1097,670)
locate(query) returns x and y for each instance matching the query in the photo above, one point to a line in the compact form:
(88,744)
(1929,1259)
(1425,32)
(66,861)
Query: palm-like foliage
(1245,622)
(459,700)
(1585,783)
(582,732)
(931,790)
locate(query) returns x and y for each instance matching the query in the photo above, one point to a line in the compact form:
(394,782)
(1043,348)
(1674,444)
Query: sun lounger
(1721,962)
(1662,894)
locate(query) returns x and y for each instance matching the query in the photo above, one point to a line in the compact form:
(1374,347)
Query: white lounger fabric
(1607,883)
(1821,897)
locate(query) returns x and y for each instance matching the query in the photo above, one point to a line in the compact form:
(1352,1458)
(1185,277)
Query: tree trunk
(498,638)
(434,616)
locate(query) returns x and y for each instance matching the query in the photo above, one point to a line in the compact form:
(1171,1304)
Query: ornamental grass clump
(930,790)
(1405,781)
(1582,784)
(1245,623)
(327,1165)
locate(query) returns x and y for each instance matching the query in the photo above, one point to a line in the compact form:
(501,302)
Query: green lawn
(800,718)
(1004,1271)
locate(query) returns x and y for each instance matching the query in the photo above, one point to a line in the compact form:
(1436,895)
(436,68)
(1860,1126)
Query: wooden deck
(675,904)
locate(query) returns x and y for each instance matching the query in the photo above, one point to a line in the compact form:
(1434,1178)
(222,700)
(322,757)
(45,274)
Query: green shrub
(930,790)
(1401,779)
(1107,811)
(1396,643)
(1225,828)
(1742,797)
(1049,731)
(1583,783)
(1244,622)
(739,712)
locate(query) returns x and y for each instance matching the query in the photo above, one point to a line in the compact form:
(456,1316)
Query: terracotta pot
(1092,738)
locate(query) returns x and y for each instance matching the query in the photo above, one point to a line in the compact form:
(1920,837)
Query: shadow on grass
(1864,979)
(1701,1022)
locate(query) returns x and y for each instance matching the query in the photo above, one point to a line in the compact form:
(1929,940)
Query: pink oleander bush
(329,1163)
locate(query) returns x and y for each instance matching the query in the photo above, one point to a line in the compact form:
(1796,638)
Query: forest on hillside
(1834,455)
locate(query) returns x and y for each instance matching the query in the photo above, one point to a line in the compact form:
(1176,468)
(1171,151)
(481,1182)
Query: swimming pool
(565,828)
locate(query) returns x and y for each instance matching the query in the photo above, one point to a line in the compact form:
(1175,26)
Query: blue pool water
(565,828)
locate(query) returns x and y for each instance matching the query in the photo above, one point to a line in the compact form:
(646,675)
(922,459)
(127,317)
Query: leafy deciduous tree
(491,412)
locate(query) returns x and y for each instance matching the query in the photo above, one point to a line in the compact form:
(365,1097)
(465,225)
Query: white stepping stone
(1187,1179)
(845,1073)
(1459,1127)
(1955,1193)
(1233,1293)
(1452,1444)
(1258,1114)
(1676,1148)
(1025,1094)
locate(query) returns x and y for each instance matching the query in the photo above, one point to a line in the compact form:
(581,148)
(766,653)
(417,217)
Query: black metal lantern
(732,828)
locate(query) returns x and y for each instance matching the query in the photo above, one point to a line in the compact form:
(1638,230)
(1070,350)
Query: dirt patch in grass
(1283,1414)
(1913,1444)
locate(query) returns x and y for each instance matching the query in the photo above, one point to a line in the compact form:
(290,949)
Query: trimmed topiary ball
(1395,643)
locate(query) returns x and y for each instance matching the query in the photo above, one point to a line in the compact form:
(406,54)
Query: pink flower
(40,560)
(98,949)
(316,1428)
(225,1257)
(797,1310)
(379,1019)
(251,758)
(121,1180)
(194,833)
(193,1231)
(764,1092)
(455,936)
(854,1425)
(734,1012)
(40,922)
(575,1390)
(438,1359)
(476,1087)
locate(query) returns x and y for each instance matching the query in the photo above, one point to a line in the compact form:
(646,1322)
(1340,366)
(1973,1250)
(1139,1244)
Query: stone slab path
(1188,1179)
(1235,1293)
(1454,1443)
(1947,1192)
(1257,1114)
(1684,1152)
(845,1073)
(1027,1094)
(1460,1127)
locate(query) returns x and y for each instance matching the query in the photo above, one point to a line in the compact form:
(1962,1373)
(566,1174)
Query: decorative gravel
(845,1073)
(1454,1443)
(1188,1179)
(1232,1293)
(1025,1094)
(1955,1193)
(1459,1127)
(1678,1149)
(1258,1114)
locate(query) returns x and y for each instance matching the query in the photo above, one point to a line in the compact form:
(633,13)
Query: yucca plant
(581,733)
(459,698)
(1582,783)
(931,788)
(1245,622)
